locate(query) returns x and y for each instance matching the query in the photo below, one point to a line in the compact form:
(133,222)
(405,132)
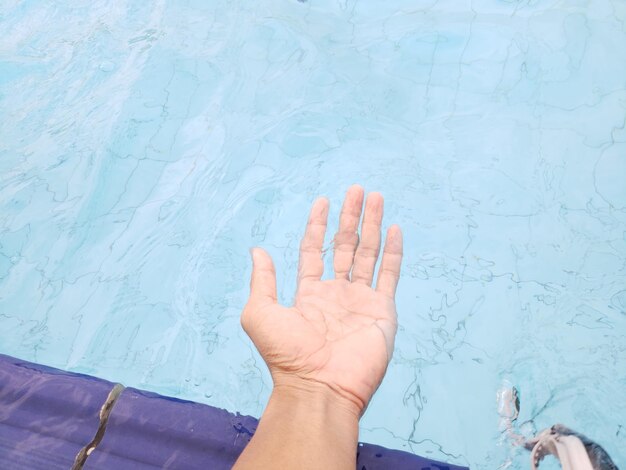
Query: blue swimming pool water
(145,146)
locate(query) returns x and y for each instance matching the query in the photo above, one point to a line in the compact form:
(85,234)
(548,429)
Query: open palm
(339,332)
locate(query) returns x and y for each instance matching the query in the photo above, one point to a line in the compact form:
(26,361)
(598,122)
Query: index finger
(311,262)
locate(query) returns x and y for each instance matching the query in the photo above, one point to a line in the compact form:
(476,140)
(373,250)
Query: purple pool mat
(47,416)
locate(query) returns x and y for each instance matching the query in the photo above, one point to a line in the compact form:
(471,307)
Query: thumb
(263,280)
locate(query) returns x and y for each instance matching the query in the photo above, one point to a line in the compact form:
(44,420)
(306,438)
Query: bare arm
(304,427)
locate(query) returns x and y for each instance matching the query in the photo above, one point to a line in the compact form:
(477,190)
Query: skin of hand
(327,353)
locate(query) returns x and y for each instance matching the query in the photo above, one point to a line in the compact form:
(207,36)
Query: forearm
(304,427)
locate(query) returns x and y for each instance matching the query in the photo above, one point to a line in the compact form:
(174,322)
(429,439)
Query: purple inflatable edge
(46,415)
(146,429)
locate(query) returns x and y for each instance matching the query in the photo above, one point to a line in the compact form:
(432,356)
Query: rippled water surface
(145,146)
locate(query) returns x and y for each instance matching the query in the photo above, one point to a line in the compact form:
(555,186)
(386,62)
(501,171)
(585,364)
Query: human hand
(339,334)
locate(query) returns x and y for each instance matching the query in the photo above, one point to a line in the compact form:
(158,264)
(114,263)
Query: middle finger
(347,239)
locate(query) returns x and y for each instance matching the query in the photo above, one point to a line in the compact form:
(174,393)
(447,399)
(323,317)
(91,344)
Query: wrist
(305,426)
(317,396)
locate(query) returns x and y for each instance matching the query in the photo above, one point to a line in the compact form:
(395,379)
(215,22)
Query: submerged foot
(574,451)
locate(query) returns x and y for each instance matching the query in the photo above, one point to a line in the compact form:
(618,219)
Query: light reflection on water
(145,147)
